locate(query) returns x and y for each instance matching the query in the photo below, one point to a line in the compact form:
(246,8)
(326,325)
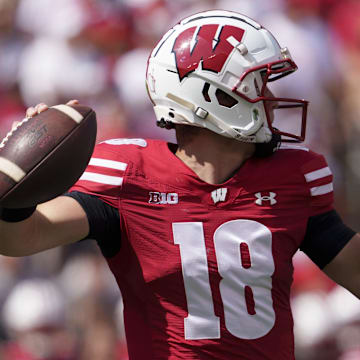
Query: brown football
(45,155)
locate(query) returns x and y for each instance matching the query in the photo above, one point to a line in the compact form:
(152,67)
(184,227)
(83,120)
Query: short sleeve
(326,235)
(319,183)
(104,222)
(103,176)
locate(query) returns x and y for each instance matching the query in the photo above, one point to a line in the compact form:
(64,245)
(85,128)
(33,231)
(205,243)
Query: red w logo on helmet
(190,50)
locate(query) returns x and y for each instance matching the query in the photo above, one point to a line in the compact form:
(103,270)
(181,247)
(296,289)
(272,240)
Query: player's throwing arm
(40,158)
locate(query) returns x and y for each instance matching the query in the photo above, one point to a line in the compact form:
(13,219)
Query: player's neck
(212,157)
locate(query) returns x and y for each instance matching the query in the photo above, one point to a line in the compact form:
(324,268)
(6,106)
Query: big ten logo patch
(163,198)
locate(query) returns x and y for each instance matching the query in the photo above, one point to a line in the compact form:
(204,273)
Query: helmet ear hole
(225,99)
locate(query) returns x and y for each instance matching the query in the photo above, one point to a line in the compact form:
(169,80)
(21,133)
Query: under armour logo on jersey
(219,195)
(163,198)
(260,198)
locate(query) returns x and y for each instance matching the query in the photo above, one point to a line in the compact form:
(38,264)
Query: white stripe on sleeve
(102,179)
(321,190)
(318,174)
(108,163)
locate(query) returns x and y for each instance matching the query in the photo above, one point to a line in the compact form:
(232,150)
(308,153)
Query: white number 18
(245,262)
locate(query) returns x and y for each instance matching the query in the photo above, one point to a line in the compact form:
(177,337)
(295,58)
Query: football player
(200,234)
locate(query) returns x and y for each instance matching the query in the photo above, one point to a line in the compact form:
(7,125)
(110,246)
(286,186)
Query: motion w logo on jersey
(163,198)
(210,45)
(219,195)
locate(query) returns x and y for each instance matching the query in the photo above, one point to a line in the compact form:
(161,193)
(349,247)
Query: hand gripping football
(45,155)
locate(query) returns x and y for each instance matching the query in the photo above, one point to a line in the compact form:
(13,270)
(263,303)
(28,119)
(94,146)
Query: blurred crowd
(63,304)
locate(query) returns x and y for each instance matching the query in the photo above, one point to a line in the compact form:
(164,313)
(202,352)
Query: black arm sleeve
(104,222)
(325,236)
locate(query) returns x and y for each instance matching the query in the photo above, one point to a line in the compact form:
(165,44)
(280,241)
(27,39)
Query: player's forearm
(351,283)
(57,222)
(17,238)
(345,268)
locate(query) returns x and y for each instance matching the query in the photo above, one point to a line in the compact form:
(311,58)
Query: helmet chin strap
(263,135)
(229,130)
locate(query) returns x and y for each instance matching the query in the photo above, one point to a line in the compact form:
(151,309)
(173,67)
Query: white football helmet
(211,70)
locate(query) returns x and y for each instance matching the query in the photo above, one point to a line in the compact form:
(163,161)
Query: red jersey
(205,270)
